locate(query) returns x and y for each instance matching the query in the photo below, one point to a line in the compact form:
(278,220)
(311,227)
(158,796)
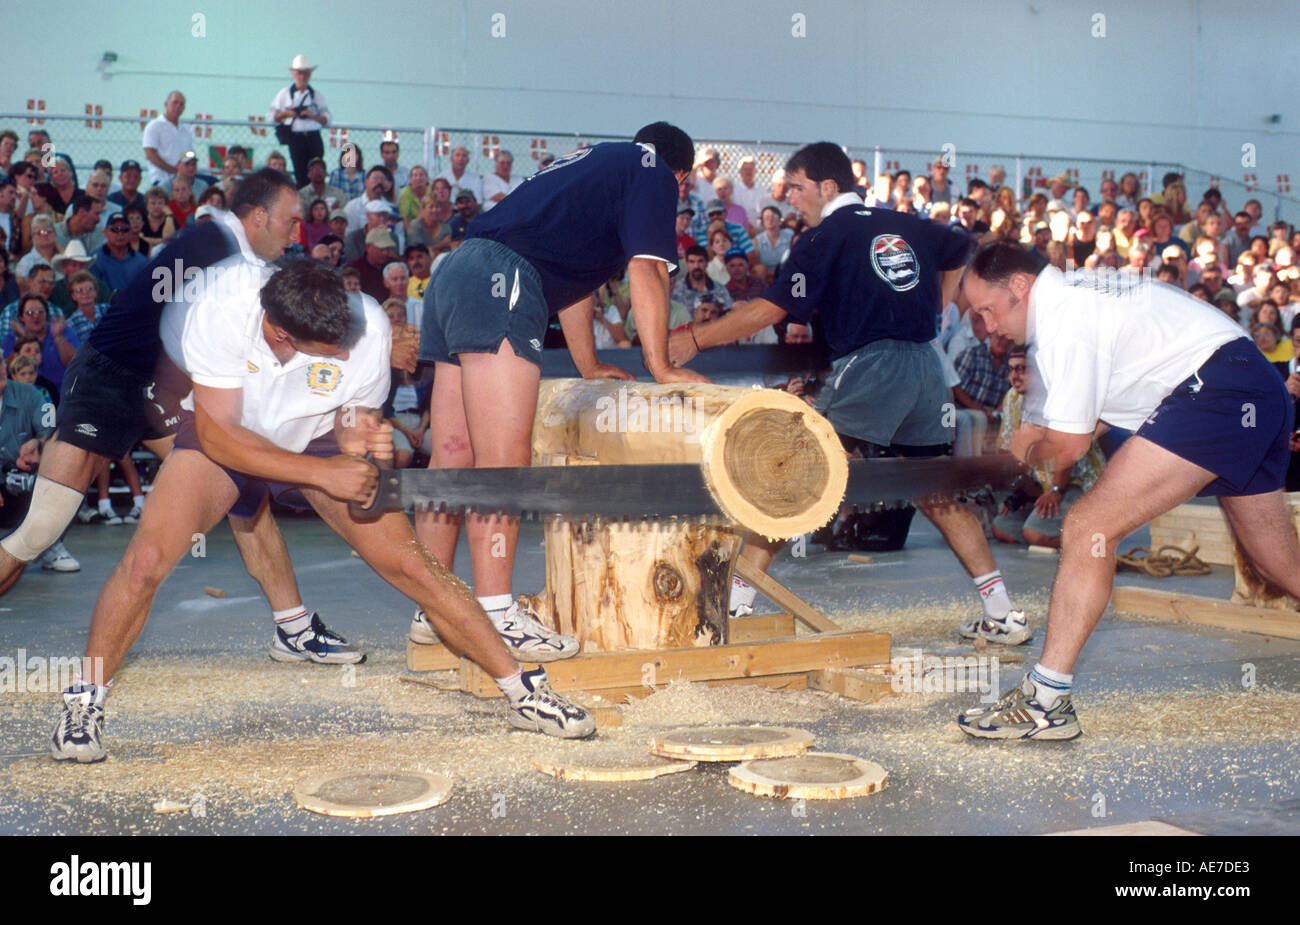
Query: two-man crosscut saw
(662,490)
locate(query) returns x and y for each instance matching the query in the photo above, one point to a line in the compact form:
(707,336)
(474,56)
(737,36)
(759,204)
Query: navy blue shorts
(1234,417)
(252,490)
(482,294)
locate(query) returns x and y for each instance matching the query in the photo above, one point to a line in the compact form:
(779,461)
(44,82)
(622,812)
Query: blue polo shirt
(869,274)
(579,220)
(22,413)
(114,273)
(128,331)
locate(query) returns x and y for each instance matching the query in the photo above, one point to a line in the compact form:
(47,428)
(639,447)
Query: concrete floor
(1242,780)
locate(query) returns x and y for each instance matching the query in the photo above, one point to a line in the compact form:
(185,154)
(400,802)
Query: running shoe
(316,643)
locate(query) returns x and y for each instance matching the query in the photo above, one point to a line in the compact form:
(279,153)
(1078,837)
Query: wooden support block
(430,658)
(853,683)
(764,626)
(1208,611)
(797,681)
(782,596)
(605,670)
(858,557)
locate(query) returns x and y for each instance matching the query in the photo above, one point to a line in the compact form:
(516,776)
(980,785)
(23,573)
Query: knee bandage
(52,509)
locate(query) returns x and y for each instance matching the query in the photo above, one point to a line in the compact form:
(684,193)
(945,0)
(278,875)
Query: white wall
(1177,80)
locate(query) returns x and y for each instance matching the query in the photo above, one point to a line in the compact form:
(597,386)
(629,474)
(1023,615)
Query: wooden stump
(774,465)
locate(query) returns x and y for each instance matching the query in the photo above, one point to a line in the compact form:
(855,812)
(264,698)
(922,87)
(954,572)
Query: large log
(775,466)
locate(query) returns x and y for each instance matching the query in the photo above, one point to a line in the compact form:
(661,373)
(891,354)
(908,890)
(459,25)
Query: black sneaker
(316,644)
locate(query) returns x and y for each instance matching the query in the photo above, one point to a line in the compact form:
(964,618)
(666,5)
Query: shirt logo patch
(252,367)
(895,262)
(323,377)
(89,430)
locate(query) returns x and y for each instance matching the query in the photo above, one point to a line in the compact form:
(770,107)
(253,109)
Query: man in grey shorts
(541,251)
(875,277)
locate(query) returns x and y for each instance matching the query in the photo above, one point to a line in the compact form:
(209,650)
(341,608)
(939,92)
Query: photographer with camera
(300,113)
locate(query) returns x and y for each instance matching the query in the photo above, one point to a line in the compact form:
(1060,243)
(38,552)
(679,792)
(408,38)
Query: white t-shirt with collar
(1112,348)
(290,404)
(170,141)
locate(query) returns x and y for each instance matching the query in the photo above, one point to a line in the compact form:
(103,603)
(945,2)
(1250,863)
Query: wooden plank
(782,596)
(743,629)
(1208,611)
(604,670)
(795,681)
(853,683)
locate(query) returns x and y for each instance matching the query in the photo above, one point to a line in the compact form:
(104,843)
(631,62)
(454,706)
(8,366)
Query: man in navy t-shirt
(542,251)
(875,279)
(121,389)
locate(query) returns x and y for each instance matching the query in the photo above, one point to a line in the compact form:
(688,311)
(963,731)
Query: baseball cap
(1172,252)
(205,211)
(188,156)
(128,164)
(733,252)
(379,205)
(715,205)
(116,217)
(466,194)
(317,160)
(1227,292)
(338,213)
(1041,225)
(684,207)
(379,237)
(1057,205)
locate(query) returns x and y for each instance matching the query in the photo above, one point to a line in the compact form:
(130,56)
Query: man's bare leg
(67,465)
(964,534)
(390,547)
(1264,528)
(500,400)
(451,447)
(266,557)
(191,495)
(1142,481)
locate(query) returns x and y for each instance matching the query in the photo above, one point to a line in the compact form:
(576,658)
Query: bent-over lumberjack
(542,251)
(1211,418)
(287,382)
(875,277)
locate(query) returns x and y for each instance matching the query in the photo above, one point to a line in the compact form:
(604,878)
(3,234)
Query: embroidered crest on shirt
(323,378)
(895,262)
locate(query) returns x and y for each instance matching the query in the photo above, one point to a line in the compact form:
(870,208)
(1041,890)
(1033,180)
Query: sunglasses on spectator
(119,228)
(34,312)
(1017,368)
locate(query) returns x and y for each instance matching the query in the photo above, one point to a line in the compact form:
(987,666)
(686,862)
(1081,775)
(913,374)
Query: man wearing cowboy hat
(303,112)
(66,265)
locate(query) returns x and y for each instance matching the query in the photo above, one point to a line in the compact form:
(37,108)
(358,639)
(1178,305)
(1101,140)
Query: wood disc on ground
(730,743)
(611,764)
(362,794)
(810,776)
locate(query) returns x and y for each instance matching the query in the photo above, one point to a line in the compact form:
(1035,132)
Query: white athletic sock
(1049,686)
(742,594)
(106,507)
(496,605)
(137,500)
(513,687)
(993,595)
(293,620)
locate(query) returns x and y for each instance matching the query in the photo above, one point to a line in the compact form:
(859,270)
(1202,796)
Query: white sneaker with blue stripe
(317,643)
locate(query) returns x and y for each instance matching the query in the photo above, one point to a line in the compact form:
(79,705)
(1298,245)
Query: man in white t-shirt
(1210,417)
(461,177)
(165,141)
(288,378)
(500,184)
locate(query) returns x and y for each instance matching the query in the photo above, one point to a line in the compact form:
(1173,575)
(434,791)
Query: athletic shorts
(253,490)
(1234,417)
(107,409)
(890,393)
(482,294)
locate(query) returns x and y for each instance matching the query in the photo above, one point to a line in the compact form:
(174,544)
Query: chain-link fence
(92,136)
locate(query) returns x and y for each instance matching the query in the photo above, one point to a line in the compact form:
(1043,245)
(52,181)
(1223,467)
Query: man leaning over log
(541,251)
(875,277)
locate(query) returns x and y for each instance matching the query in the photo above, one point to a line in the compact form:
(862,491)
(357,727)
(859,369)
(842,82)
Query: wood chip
(170,806)
(613,766)
(213,592)
(730,743)
(363,794)
(810,776)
